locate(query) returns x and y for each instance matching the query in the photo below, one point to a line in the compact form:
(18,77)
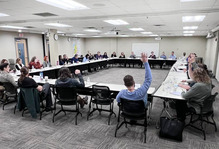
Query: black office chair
(206,112)
(66,96)
(132,110)
(102,97)
(10,93)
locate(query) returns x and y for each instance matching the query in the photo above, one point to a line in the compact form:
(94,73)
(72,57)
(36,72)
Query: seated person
(98,55)
(163,56)
(65,59)
(46,62)
(105,55)
(172,56)
(132,55)
(5,76)
(114,54)
(27,82)
(65,80)
(152,55)
(195,96)
(136,94)
(60,60)
(4,61)
(91,57)
(19,64)
(86,58)
(34,63)
(184,56)
(122,55)
(75,59)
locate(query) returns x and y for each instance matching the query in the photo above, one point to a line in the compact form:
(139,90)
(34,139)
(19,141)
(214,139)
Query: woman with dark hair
(122,55)
(4,61)
(105,55)
(34,63)
(19,64)
(60,60)
(86,58)
(26,82)
(196,95)
(65,80)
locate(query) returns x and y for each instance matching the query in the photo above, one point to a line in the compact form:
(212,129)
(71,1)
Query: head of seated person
(129,83)
(4,61)
(5,67)
(200,75)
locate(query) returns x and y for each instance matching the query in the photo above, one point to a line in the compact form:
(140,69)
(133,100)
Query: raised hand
(144,57)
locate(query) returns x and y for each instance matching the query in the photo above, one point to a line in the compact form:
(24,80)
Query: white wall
(7,42)
(167,44)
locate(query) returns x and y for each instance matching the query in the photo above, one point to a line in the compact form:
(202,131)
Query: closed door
(21,50)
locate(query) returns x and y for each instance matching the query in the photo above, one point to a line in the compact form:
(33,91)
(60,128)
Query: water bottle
(41,76)
(57,63)
(32,67)
(88,80)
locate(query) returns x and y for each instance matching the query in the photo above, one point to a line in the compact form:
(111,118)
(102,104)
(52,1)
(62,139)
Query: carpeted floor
(25,132)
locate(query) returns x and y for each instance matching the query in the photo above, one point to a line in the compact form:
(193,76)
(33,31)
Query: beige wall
(167,44)
(7,42)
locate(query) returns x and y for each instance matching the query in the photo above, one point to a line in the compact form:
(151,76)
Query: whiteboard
(139,48)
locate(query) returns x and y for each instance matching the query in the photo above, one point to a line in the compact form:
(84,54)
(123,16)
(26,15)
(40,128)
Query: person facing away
(132,55)
(4,61)
(60,60)
(65,59)
(114,54)
(163,56)
(172,56)
(65,80)
(86,58)
(98,55)
(5,76)
(152,55)
(91,56)
(19,64)
(184,56)
(46,62)
(27,82)
(75,59)
(122,55)
(105,55)
(137,94)
(35,63)
(196,95)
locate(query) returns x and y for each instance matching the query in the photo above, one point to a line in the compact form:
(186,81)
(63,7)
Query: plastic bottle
(41,75)
(57,63)
(88,80)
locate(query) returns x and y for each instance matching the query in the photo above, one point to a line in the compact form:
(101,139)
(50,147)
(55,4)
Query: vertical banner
(76,46)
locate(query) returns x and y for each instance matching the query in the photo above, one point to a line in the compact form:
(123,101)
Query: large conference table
(52,72)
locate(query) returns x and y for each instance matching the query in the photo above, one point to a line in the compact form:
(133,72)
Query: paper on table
(176,93)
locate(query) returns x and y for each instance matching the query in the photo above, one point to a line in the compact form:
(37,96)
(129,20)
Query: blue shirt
(140,93)
(75,60)
(98,57)
(163,56)
(172,57)
(85,59)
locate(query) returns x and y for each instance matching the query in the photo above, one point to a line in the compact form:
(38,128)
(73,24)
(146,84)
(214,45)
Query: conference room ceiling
(161,17)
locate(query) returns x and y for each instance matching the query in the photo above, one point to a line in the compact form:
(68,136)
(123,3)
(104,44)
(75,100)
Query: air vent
(159,25)
(90,27)
(45,14)
(29,27)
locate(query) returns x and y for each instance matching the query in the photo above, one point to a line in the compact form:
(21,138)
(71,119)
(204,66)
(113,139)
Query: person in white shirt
(19,64)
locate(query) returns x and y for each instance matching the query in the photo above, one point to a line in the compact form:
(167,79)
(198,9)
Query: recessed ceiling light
(64,4)
(146,32)
(19,30)
(78,34)
(60,32)
(153,35)
(92,30)
(3,15)
(193,18)
(136,29)
(12,27)
(96,36)
(58,25)
(116,22)
(190,27)
(124,36)
(188,32)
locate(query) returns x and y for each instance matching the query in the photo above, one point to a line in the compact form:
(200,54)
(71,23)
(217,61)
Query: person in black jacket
(27,82)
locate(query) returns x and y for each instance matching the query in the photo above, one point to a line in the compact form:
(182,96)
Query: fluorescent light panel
(193,18)
(60,32)
(64,4)
(191,0)
(190,27)
(3,15)
(153,35)
(78,34)
(188,32)
(136,29)
(58,25)
(92,30)
(116,22)
(12,27)
(147,33)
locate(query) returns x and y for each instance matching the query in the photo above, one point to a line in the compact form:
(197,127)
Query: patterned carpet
(25,132)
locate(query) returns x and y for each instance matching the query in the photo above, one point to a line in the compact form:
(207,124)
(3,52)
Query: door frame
(26,40)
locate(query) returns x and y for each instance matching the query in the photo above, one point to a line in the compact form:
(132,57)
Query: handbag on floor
(171,128)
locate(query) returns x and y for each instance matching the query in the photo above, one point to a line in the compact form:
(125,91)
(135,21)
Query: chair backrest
(208,103)
(9,88)
(101,92)
(11,63)
(66,93)
(132,107)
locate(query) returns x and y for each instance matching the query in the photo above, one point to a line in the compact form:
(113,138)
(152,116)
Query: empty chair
(132,110)
(206,113)
(101,97)
(10,93)
(11,64)
(66,96)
